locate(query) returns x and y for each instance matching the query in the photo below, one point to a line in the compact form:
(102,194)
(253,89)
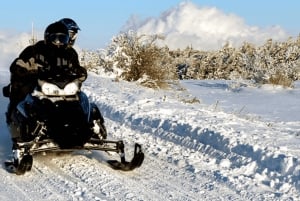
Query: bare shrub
(280,78)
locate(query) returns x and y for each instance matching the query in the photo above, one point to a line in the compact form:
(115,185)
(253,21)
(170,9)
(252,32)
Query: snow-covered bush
(90,60)
(140,59)
(136,57)
(273,62)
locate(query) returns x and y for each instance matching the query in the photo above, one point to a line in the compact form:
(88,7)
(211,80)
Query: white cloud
(203,27)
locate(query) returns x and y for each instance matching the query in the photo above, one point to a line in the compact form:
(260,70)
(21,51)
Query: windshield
(59,76)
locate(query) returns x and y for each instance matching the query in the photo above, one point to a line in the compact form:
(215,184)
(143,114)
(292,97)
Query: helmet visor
(59,39)
(72,35)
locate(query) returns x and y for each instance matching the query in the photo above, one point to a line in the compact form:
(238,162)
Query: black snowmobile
(57,116)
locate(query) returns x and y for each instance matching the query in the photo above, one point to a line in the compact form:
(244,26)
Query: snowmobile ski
(23,160)
(136,161)
(19,167)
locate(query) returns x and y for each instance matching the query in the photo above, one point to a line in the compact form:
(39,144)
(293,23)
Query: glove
(6,91)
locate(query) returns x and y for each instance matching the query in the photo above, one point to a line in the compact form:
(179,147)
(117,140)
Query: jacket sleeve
(79,70)
(23,75)
(82,73)
(24,67)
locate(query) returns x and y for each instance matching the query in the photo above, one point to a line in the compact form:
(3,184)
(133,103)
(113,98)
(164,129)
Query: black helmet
(70,24)
(72,27)
(57,34)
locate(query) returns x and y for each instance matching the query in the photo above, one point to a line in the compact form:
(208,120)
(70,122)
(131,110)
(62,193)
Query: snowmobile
(57,116)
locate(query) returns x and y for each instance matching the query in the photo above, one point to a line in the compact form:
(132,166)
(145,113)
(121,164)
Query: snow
(203,140)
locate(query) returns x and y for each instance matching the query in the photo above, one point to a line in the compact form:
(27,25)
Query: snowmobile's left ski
(19,167)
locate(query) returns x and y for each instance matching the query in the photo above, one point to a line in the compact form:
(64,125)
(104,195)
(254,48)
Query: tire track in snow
(174,171)
(195,172)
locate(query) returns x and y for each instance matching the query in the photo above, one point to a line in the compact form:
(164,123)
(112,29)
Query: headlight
(71,88)
(52,90)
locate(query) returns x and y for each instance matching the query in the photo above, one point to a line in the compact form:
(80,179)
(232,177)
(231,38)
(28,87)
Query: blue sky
(100,20)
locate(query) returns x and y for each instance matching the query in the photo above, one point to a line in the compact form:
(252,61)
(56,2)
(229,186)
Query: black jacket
(25,69)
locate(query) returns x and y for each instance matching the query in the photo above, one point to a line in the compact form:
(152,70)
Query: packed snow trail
(192,152)
(241,148)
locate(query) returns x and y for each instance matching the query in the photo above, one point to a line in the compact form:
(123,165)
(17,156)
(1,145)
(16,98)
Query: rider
(53,53)
(73,29)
